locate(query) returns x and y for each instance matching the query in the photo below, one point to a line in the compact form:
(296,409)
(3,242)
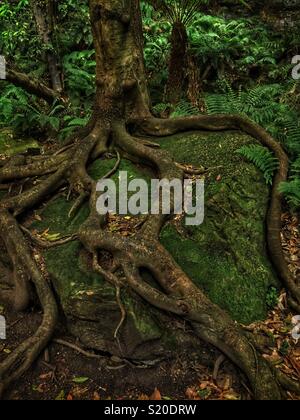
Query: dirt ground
(70,375)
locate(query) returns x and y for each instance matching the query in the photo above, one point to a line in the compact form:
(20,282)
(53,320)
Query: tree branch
(31,85)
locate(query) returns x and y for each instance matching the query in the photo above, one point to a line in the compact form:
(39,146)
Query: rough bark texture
(122,106)
(44,13)
(177,64)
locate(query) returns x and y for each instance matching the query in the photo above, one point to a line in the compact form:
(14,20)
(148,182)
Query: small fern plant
(262,158)
(291,189)
(184,109)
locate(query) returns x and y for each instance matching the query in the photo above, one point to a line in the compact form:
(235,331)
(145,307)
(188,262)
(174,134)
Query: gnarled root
(160,127)
(21,359)
(175,292)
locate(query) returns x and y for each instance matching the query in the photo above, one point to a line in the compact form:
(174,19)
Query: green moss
(9,145)
(70,277)
(142,318)
(55,217)
(84,294)
(226,256)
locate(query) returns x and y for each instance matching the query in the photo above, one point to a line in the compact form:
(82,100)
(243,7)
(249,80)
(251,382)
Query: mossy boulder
(88,301)
(226,256)
(11,145)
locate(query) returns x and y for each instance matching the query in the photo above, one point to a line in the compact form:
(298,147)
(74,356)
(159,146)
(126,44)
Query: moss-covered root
(180,297)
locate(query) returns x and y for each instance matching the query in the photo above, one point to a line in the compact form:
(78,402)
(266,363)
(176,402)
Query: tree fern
(262,158)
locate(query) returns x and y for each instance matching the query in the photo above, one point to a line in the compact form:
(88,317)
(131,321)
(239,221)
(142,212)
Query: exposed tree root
(122,107)
(77,348)
(176,293)
(22,358)
(158,127)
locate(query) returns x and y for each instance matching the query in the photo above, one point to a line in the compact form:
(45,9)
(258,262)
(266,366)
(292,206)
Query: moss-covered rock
(226,256)
(88,301)
(10,145)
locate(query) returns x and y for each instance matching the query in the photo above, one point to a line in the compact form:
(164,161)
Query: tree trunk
(120,74)
(177,64)
(122,107)
(44,14)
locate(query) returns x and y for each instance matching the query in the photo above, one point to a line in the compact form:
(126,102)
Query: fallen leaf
(96,396)
(61,396)
(46,376)
(143,397)
(52,237)
(191,394)
(38,388)
(156,396)
(80,380)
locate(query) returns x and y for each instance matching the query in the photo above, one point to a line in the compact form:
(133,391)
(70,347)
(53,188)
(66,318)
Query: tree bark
(44,16)
(120,76)
(31,85)
(177,64)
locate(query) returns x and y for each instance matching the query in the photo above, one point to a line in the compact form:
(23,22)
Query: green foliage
(290,133)
(285,348)
(259,103)
(235,46)
(184,109)
(18,110)
(272,298)
(291,189)
(70,124)
(262,158)
(183,11)
(73,31)
(157,33)
(79,69)
(72,42)
(267,105)
(17,30)
(21,111)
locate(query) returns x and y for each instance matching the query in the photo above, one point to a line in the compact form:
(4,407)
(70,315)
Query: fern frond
(184,109)
(291,190)
(262,158)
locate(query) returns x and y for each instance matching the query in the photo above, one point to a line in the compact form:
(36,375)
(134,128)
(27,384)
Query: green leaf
(52,237)
(61,396)
(80,380)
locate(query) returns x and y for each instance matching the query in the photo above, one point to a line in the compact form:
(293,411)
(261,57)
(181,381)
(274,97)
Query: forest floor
(64,374)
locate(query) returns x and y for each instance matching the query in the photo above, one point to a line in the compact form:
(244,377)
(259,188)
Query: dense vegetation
(243,66)
(86,95)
